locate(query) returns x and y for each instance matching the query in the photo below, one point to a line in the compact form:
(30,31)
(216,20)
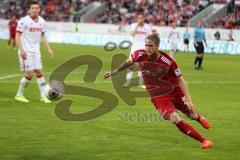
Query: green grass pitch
(32,131)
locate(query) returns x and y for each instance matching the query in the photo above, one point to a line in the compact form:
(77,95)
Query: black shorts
(186,41)
(199,48)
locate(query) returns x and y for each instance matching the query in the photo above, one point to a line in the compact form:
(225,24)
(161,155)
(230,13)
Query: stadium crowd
(52,10)
(157,12)
(230,20)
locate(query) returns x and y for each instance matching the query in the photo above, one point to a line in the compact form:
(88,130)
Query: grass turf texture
(32,131)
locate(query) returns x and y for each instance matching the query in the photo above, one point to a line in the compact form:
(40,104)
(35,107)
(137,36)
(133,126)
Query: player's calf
(189,130)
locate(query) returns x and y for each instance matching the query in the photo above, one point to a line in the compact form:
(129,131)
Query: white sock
(140,78)
(172,52)
(129,76)
(41,85)
(23,84)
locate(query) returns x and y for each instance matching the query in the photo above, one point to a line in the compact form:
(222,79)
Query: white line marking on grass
(10,76)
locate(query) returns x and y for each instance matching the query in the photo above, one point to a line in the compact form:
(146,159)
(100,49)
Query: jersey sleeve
(135,56)
(20,26)
(176,69)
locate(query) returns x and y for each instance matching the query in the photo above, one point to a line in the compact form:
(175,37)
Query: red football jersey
(160,75)
(12,26)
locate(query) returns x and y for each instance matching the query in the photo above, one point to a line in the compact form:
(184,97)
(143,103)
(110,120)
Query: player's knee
(29,75)
(39,73)
(175,118)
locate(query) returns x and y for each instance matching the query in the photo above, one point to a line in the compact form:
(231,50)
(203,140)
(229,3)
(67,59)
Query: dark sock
(200,62)
(195,61)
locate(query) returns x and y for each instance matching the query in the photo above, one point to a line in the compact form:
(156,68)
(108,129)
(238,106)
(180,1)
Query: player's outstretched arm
(46,44)
(123,66)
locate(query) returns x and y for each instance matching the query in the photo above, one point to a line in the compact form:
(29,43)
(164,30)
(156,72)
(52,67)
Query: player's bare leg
(9,42)
(41,85)
(14,44)
(188,48)
(189,130)
(23,84)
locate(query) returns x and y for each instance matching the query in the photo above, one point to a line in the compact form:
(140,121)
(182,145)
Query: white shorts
(32,62)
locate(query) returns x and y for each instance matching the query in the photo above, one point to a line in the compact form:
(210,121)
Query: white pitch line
(10,76)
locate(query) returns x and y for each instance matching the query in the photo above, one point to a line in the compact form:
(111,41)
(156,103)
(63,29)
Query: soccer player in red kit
(167,88)
(12,25)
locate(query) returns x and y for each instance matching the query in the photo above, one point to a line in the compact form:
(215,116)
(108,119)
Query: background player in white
(139,32)
(30,31)
(173,39)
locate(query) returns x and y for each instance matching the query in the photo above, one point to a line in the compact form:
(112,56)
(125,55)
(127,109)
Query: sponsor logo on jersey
(35,29)
(164,59)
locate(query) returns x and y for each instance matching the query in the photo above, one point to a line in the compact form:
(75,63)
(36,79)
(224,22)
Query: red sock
(190,131)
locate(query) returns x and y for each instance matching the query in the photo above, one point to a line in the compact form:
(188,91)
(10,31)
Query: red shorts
(166,106)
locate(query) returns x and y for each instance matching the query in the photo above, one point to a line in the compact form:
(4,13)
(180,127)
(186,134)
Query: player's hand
(190,105)
(23,54)
(193,109)
(50,53)
(107,75)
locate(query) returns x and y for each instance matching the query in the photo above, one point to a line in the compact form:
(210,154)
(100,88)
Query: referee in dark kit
(199,37)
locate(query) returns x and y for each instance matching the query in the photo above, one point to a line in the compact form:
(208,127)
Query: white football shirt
(138,41)
(31,33)
(173,35)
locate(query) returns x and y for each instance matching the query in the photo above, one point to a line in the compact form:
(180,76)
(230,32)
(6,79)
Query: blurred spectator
(217,35)
(52,10)
(157,12)
(230,20)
